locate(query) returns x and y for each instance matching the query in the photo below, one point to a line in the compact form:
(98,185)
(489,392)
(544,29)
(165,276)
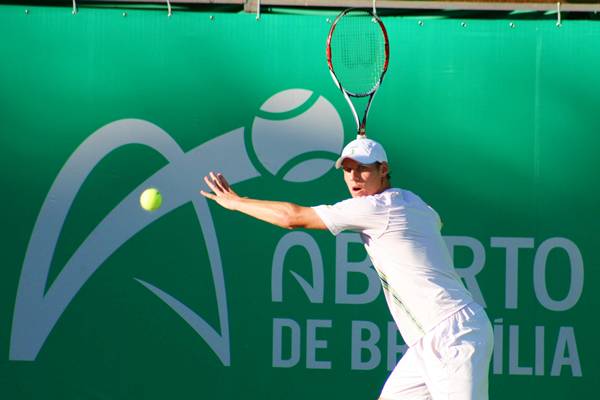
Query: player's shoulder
(396,198)
(406,199)
(365,204)
(388,197)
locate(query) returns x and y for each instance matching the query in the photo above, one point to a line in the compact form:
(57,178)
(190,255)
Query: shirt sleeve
(357,214)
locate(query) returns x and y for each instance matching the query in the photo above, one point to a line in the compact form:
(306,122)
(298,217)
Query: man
(449,336)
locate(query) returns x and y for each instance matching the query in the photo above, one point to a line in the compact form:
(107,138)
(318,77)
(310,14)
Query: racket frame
(360,124)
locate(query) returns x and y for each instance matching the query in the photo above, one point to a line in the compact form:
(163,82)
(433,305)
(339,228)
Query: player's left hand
(222,192)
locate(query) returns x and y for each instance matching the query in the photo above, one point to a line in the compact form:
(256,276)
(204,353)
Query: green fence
(493,121)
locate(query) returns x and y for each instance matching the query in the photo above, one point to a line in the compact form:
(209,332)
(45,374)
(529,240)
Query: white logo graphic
(277,142)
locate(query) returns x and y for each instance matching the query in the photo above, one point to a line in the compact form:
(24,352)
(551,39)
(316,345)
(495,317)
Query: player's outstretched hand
(222,192)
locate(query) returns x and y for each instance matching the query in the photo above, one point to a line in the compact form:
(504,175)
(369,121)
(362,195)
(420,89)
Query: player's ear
(384,169)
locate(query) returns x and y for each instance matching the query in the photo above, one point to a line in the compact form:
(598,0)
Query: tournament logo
(295,136)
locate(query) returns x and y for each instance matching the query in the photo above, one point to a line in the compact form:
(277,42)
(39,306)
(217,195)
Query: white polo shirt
(402,236)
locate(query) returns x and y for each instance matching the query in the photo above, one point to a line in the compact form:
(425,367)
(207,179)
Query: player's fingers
(211,185)
(208,195)
(223,182)
(216,181)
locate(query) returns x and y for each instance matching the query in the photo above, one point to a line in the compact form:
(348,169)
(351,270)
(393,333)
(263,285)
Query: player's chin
(358,193)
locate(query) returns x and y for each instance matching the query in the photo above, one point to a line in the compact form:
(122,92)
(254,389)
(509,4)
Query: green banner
(492,121)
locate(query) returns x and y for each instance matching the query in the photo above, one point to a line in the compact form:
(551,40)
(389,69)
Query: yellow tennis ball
(151,199)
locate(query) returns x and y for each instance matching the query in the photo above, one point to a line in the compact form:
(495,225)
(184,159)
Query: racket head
(358,51)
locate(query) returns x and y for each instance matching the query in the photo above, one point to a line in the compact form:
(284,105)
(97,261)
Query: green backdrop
(495,125)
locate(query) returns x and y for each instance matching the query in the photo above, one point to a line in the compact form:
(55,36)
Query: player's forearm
(280,213)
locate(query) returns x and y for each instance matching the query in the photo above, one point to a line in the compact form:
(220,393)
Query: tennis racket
(358,53)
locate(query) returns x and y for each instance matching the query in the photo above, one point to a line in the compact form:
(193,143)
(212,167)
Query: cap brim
(360,160)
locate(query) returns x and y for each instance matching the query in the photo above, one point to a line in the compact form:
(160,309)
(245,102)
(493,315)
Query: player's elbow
(289,220)
(292,217)
(302,217)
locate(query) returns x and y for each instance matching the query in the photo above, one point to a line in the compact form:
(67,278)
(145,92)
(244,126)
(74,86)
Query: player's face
(364,180)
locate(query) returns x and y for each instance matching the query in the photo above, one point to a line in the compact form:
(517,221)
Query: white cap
(363,151)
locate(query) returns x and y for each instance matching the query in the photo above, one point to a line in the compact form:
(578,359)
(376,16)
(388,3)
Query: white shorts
(451,362)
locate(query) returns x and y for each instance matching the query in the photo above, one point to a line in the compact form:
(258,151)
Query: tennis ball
(151,199)
(297,135)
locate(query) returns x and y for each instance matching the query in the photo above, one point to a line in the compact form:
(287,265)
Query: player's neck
(384,186)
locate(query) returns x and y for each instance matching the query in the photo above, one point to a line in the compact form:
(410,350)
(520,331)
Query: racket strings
(358,53)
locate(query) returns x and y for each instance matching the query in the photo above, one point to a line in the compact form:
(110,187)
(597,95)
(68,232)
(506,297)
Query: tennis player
(449,336)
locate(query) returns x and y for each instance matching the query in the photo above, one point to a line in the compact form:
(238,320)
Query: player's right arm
(284,214)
